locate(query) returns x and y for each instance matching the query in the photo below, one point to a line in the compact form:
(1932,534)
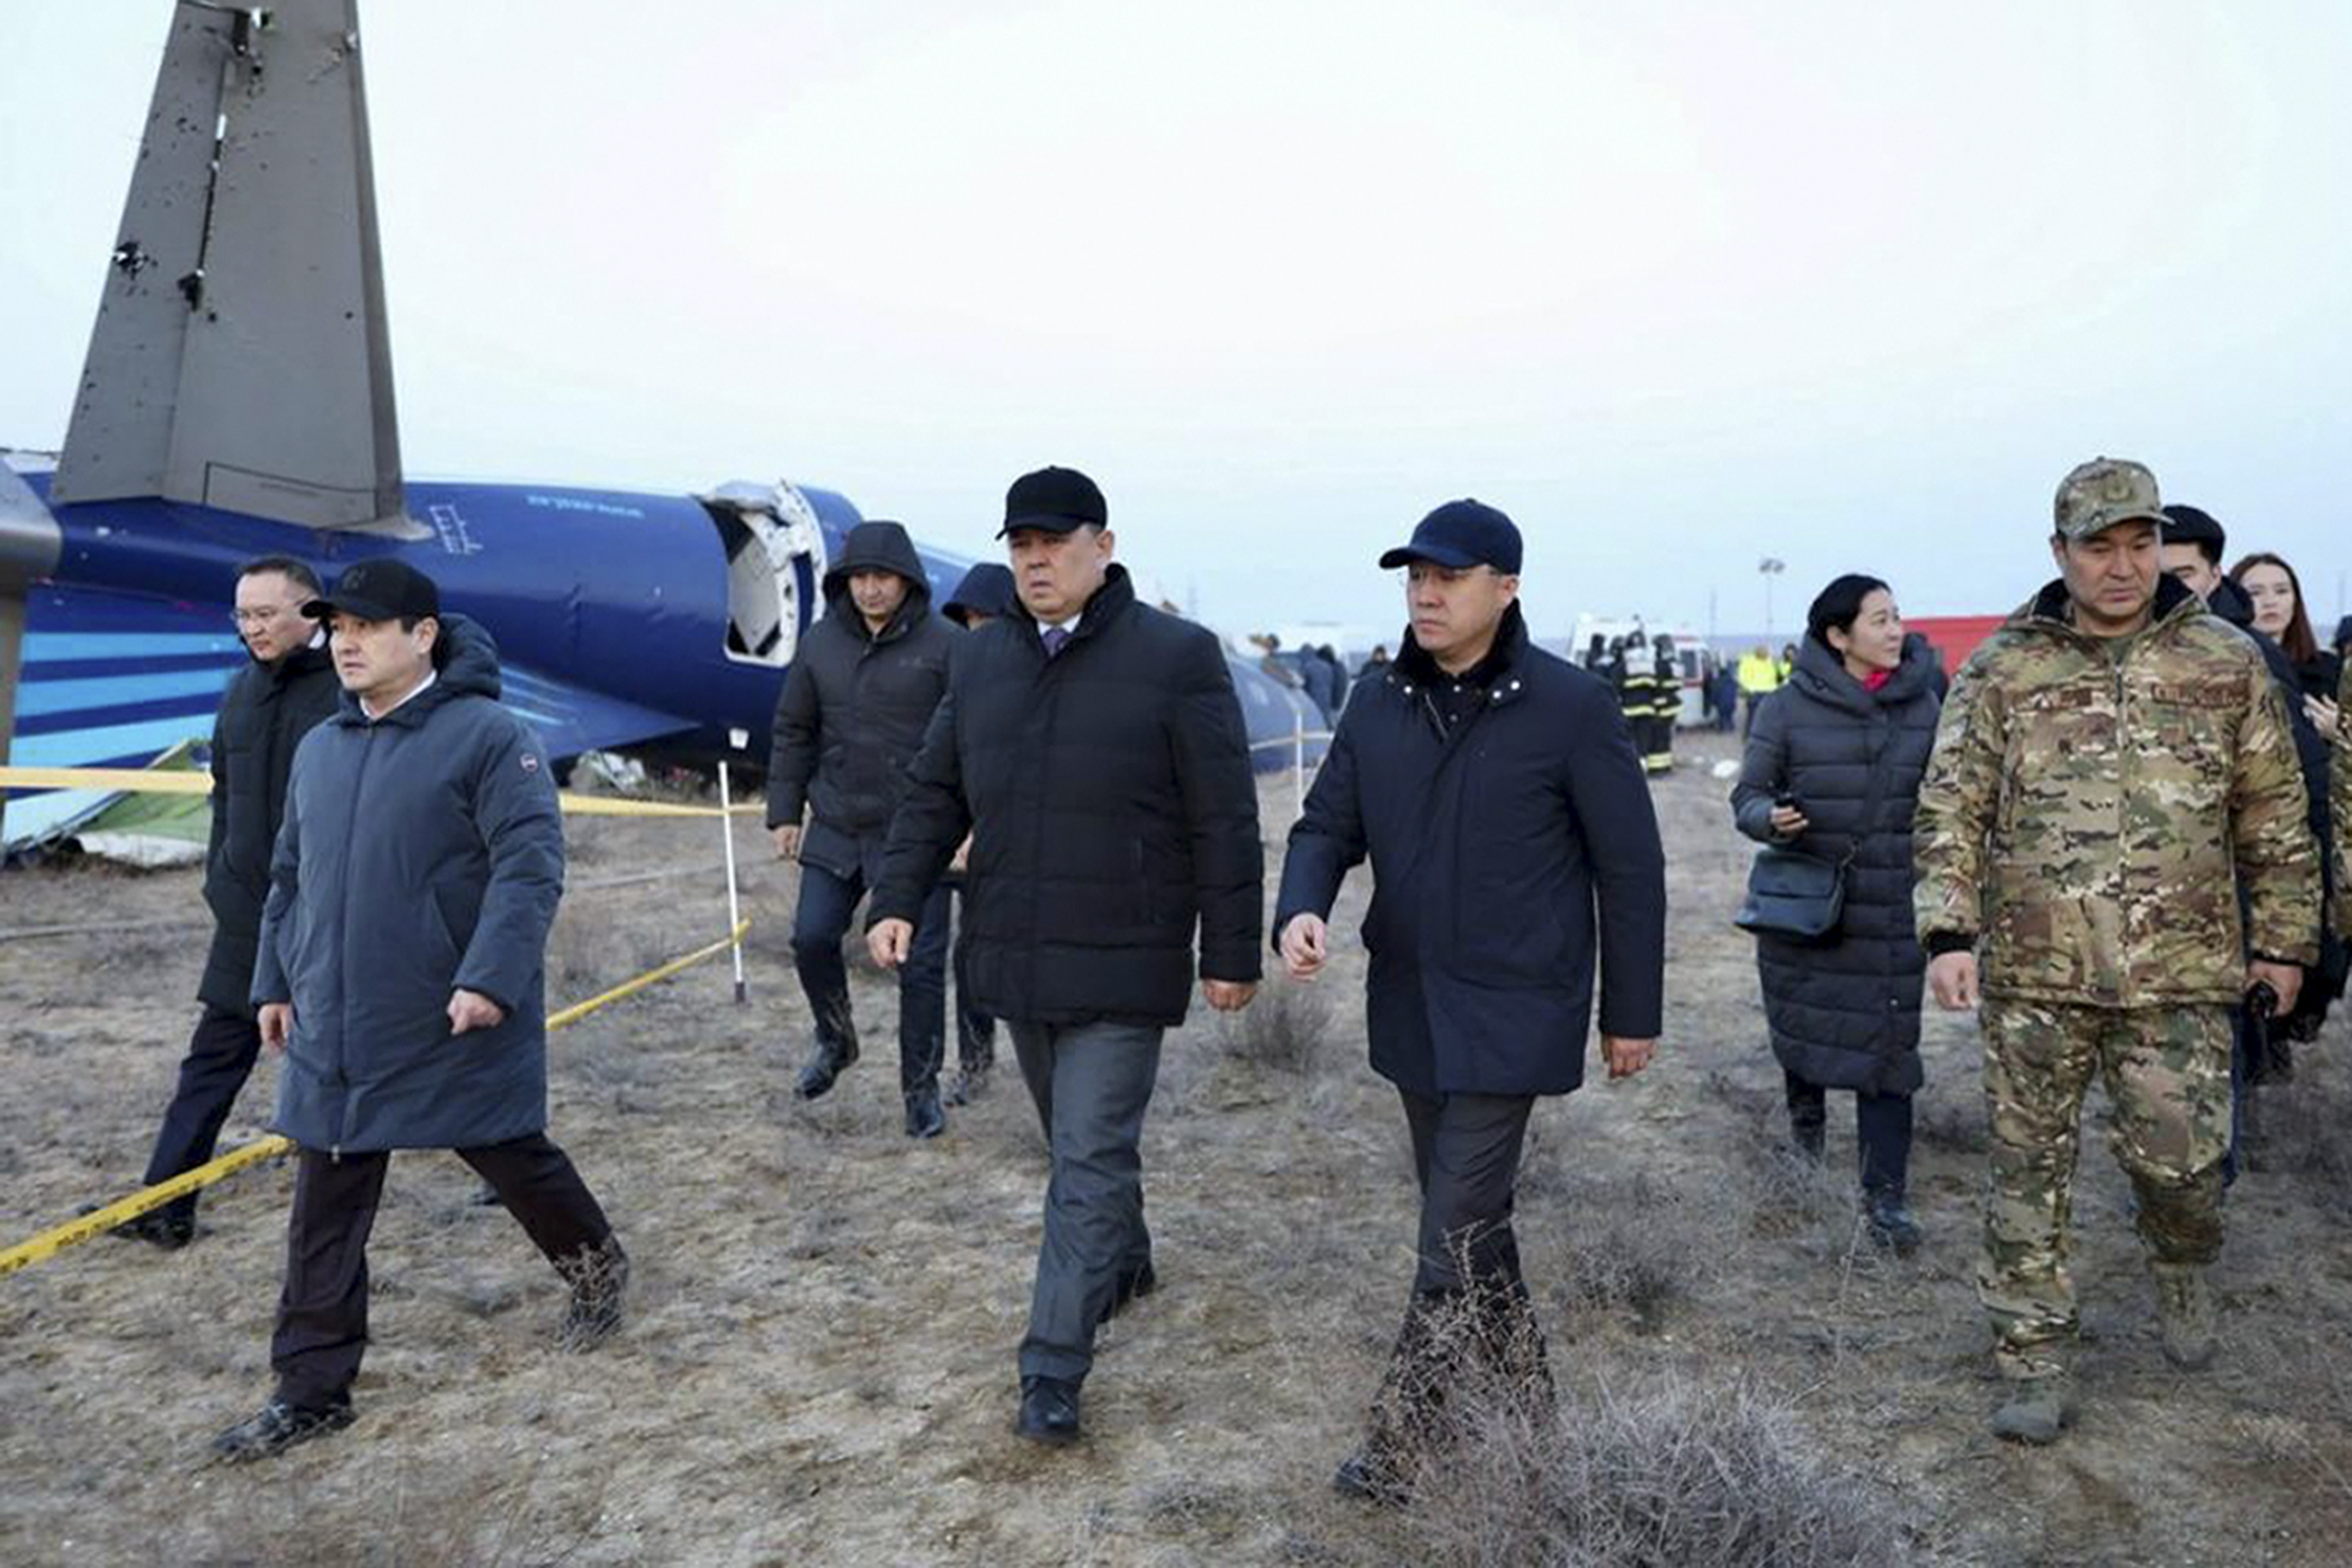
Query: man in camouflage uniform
(2113,764)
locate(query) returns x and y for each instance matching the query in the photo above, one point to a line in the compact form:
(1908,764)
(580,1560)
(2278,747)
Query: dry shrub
(504,1519)
(1638,1247)
(1681,1473)
(1284,1028)
(1631,1243)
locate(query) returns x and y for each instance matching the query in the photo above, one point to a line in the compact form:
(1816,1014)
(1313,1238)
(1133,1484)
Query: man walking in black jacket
(1500,799)
(861,690)
(269,705)
(1094,749)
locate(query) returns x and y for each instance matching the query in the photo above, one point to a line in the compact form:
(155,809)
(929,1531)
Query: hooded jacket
(1112,811)
(422,854)
(1510,851)
(2091,812)
(854,709)
(264,714)
(986,589)
(1846,1014)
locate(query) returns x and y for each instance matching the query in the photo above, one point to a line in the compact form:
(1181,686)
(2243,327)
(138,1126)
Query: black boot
(924,1117)
(1808,1130)
(599,1277)
(170,1228)
(1049,1411)
(278,1427)
(825,1065)
(1889,1222)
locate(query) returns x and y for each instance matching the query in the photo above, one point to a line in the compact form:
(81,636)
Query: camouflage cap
(2106,491)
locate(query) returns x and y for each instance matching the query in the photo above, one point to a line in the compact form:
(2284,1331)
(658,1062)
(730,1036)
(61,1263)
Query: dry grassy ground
(818,1367)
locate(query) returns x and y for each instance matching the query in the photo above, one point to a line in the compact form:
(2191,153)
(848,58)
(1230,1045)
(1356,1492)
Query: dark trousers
(1091,1085)
(220,1057)
(1465,1156)
(975,1030)
(323,1307)
(1881,1128)
(1469,1299)
(828,902)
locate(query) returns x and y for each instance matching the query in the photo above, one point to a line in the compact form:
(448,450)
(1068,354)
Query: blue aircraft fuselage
(617,594)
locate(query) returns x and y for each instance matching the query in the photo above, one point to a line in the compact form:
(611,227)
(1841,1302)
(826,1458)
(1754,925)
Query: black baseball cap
(386,589)
(2186,524)
(1056,500)
(1459,534)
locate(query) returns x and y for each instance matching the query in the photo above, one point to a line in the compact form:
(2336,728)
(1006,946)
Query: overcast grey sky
(1847,283)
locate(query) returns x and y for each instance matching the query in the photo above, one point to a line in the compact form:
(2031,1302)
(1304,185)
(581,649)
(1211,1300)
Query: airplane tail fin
(240,358)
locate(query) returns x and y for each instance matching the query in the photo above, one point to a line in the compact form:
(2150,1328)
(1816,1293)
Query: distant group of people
(1647,676)
(1315,669)
(2114,839)
(2120,840)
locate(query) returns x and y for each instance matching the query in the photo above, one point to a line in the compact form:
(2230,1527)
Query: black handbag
(1800,897)
(1793,896)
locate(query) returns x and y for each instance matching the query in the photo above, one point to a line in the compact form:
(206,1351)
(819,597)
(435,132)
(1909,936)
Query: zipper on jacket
(342,947)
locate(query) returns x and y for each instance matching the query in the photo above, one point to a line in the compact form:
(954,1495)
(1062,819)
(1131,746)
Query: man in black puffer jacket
(1499,795)
(1094,749)
(270,706)
(851,717)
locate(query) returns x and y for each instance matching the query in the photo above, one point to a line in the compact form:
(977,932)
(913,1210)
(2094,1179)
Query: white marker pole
(734,916)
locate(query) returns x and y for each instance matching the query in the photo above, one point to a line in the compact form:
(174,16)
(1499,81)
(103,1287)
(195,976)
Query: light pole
(1769,567)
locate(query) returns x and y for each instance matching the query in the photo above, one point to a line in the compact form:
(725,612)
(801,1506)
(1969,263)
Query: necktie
(1055,639)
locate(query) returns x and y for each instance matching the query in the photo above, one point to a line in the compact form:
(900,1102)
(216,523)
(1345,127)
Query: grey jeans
(1092,1083)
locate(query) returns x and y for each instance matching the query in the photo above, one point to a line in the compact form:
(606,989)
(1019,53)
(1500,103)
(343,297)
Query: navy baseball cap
(1056,500)
(385,589)
(1459,534)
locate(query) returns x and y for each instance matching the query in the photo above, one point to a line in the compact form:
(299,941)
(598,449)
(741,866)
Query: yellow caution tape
(579,1010)
(124,780)
(614,806)
(161,781)
(98,1221)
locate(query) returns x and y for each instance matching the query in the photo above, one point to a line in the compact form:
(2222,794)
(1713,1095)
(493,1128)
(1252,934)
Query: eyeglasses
(241,619)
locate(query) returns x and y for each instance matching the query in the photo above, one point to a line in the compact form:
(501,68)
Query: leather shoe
(1049,1411)
(279,1426)
(924,1117)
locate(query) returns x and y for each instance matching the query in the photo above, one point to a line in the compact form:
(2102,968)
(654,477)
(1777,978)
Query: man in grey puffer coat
(402,973)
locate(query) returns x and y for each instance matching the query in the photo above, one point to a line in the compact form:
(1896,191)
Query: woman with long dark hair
(2274,591)
(1832,769)
(2276,594)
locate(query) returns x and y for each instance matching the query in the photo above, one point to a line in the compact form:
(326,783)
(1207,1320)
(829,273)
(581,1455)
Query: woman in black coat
(1831,768)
